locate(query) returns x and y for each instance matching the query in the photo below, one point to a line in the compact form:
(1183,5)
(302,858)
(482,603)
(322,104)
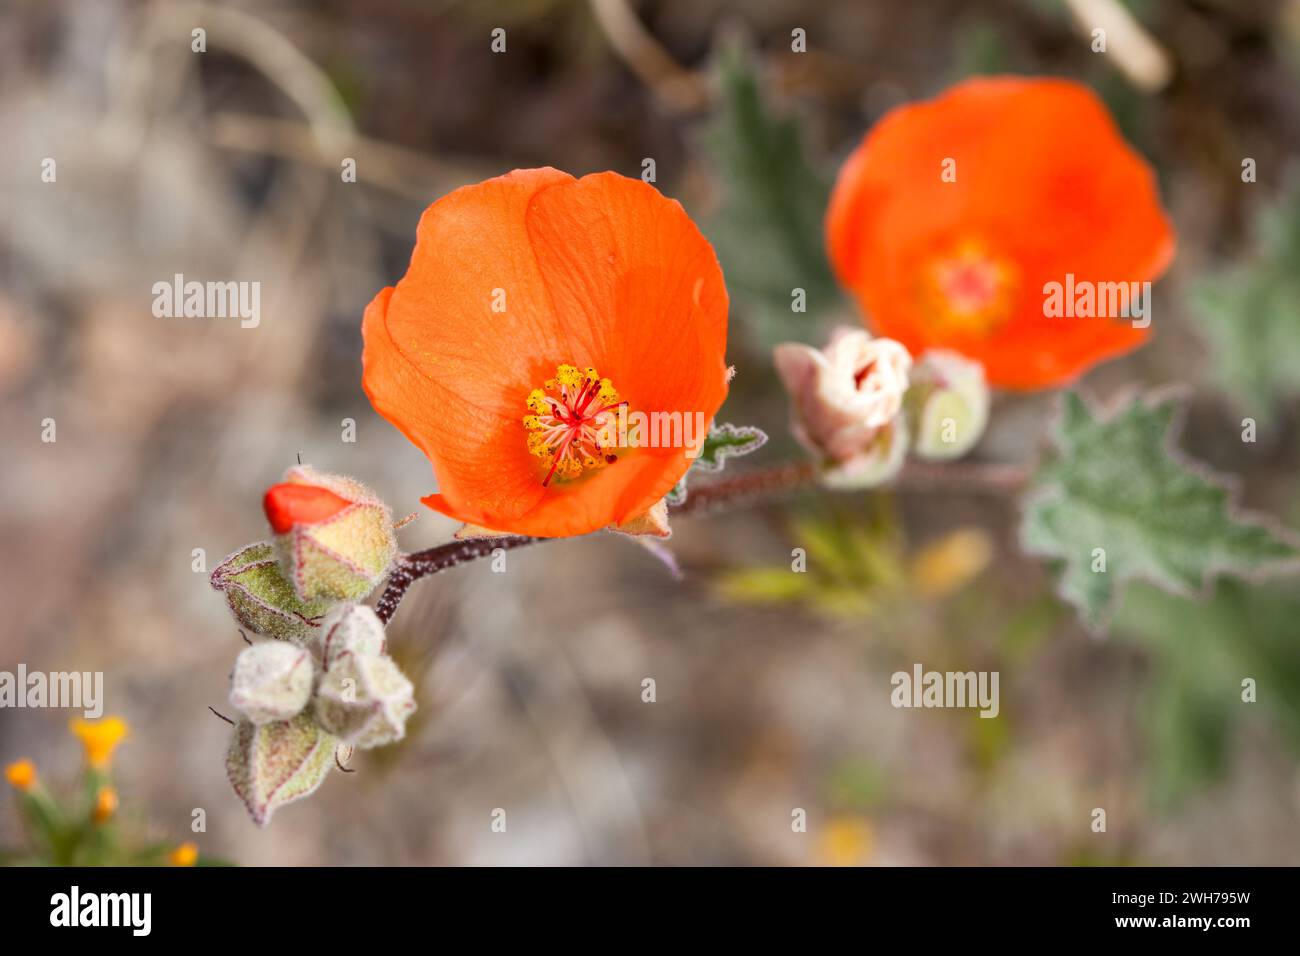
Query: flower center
(969,290)
(570,422)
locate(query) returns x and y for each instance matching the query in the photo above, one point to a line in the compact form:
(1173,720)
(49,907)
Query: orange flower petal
(290,503)
(603,271)
(1044,183)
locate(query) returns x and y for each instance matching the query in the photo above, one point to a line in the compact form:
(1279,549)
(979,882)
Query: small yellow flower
(187,854)
(952,562)
(99,738)
(105,805)
(21,774)
(846,841)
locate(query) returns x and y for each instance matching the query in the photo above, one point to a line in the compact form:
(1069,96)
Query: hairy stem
(744,488)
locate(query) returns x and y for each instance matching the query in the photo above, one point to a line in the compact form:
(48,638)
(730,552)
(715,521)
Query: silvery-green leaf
(1118,503)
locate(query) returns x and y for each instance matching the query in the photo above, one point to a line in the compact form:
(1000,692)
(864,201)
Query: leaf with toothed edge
(768,230)
(1119,498)
(723,441)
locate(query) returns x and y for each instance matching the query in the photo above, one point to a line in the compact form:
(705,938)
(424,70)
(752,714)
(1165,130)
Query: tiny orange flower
(105,805)
(953,217)
(187,854)
(21,775)
(538,310)
(99,738)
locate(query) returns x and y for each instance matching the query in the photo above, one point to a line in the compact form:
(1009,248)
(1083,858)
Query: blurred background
(771,695)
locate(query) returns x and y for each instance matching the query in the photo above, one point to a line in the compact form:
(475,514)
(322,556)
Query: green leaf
(728,441)
(1201,654)
(1117,496)
(1250,313)
(723,441)
(768,231)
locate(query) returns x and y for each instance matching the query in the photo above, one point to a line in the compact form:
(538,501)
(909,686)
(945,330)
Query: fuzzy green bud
(270,765)
(364,700)
(261,597)
(350,629)
(948,405)
(333,535)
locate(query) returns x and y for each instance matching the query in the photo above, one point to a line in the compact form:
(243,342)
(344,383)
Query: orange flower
(21,775)
(186,854)
(99,738)
(537,308)
(952,217)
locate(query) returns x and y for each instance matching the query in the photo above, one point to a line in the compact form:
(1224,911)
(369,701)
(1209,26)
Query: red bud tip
(288,504)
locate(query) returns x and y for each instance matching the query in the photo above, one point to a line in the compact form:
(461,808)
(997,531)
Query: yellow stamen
(571,422)
(969,290)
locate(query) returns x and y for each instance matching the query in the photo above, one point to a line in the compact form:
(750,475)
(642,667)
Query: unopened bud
(105,805)
(364,700)
(261,597)
(274,764)
(272,681)
(333,535)
(350,628)
(948,405)
(846,401)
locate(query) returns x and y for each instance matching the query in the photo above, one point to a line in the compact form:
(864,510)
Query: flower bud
(334,537)
(270,765)
(272,681)
(105,805)
(261,597)
(350,629)
(846,402)
(364,700)
(948,405)
(880,461)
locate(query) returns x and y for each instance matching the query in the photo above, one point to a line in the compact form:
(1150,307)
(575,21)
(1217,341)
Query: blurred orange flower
(951,218)
(99,738)
(106,803)
(186,854)
(21,775)
(535,307)
(846,841)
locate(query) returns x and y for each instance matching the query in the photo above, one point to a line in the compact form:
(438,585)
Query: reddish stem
(745,487)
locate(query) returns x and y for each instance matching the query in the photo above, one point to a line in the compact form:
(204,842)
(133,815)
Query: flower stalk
(746,488)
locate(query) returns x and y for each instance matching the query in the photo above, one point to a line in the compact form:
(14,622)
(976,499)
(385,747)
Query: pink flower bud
(846,396)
